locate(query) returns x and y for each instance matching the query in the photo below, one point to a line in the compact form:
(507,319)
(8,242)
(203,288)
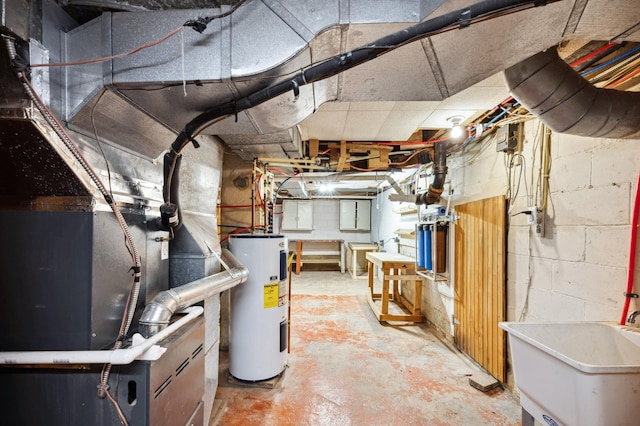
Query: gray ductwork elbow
(158,312)
(562,99)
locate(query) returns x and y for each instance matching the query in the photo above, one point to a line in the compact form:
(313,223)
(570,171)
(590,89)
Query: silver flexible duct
(562,99)
(158,312)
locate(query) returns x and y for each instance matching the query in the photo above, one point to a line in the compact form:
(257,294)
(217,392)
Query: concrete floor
(346,368)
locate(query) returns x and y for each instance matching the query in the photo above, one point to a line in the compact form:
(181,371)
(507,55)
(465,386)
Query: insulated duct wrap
(567,103)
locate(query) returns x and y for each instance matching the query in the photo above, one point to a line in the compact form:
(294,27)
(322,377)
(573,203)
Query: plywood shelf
(433,276)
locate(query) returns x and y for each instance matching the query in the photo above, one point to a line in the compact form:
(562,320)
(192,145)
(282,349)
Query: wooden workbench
(395,268)
(328,259)
(356,261)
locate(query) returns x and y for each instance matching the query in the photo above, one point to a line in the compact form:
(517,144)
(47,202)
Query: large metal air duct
(567,103)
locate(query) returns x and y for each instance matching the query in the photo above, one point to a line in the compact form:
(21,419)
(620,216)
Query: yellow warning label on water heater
(271,295)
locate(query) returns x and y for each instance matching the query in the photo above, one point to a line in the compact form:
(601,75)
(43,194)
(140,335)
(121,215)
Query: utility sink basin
(577,373)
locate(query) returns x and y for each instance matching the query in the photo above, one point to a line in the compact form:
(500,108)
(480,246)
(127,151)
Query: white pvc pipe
(115,357)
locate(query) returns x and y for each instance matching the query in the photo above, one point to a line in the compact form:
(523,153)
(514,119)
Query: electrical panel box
(507,138)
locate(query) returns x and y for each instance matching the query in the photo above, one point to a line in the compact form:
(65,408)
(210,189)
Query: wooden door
(480,302)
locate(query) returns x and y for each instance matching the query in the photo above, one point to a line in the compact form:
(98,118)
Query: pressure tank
(259,308)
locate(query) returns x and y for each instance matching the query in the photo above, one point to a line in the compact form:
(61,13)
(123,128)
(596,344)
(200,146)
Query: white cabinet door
(363,217)
(297,215)
(347,215)
(355,215)
(305,215)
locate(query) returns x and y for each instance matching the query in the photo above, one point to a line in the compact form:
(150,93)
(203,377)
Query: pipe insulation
(110,357)
(160,309)
(566,102)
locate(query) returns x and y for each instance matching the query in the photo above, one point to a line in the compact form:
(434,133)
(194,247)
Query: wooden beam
(313,148)
(343,156)
(369,147)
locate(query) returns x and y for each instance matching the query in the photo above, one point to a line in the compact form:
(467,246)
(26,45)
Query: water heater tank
(259,308)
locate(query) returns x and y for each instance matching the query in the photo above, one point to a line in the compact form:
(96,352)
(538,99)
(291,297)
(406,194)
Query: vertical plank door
(480,302)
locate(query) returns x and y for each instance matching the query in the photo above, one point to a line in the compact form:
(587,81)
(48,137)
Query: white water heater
(259,308)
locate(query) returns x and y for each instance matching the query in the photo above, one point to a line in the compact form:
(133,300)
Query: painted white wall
(578,270)
(326,224)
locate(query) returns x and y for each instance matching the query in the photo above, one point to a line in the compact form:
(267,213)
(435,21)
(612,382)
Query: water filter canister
(420,247)
(427,247)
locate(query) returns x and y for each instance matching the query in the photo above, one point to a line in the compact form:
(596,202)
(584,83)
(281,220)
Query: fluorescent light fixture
(326,187)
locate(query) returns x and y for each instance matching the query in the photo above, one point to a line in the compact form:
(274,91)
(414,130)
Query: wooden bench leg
(385,291)
(298,256)
(417,296)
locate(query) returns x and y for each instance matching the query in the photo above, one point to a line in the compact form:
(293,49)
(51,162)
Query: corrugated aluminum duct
(567,103)
(159,311)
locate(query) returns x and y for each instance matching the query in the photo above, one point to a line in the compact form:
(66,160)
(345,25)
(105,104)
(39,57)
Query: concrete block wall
(576,271)
(326,224)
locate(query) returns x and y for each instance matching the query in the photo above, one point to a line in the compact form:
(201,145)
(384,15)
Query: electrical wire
(123,419)
(95,134)
(542,190)
(198,25)
(238,231)
(611,61)
(592,54)
(273,169)
(417,152)
(362,169)
(275,194)
(525,305)
(617,72)
(401,143)
(625,78)
(241,206)
(119,55)
(511,183)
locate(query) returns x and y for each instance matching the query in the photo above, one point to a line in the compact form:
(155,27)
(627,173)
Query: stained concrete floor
(346,368)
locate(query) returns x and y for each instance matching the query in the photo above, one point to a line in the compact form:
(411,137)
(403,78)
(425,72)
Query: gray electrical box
(507,138)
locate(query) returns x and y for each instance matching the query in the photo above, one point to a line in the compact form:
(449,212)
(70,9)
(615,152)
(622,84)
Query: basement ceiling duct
(259,43)
(567,103)
(263,42)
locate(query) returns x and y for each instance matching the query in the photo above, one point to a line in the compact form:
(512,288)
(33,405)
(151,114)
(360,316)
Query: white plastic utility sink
(577,373)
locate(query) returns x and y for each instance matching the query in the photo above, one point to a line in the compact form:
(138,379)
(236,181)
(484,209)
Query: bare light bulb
(325,187)
(456,131)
